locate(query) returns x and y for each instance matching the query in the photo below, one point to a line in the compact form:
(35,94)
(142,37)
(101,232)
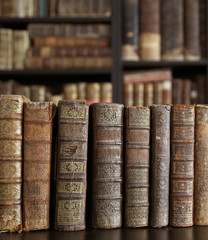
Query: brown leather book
(107,165)
(201,88)
(11,115)
(177,91)
(149,30)
(172,30)
(52,8)
(137,147)
(200,167)
(93,92)
(182,165)
(203,28)
(130,30)
(129,94)
(70,91)
(6,87)
(157,93)
(81,89)
(160,165)
(38,119)
(194,93)
(22,90)
(37,93)
(167,92)
(148,94)
(191,30)
(186,92)
(106,92)
(71,165)
(139,94)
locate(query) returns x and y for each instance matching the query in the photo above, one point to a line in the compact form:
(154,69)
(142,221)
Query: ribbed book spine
(201,167)
(182,165)
(11,112)
(129,94)
(38,119)
(137,147)
(160,165)
(107,165)
(148,94)
(71,165)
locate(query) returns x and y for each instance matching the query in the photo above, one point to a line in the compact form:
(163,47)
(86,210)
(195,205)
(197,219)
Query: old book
(172,30)
(106,92)
(177,91)
(201,88)
(160,165)
(55,98)
(82,88)
(29,8)
(6,87)
(93,92)
(194,93)
(149,30)
(43,7)
(191,30)
(38,119)
(107,165)
(167,92)
(137,147)
(37,93)
(200,167)
(186,92)
(203,28)
(70,91)
(130,30)
(66,8)
(148,94)
(22,90)
(71,165)
(157,93)
(139,94)
(182,165)
(12,8)
(129,94)
(11,135)
(52,8)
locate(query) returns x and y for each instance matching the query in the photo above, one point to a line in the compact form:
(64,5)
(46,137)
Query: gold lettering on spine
(70,187)
(138,118)
(72,167)
(73,112)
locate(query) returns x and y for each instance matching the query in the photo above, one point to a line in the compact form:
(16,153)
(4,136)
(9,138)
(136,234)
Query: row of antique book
(157,155)
(52,8)
(164,30)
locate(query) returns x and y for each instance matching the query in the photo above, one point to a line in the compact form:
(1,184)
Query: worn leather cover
(38,118)
(107,165)
(106,92)
(177,91)
(71,165)
(139,94)
(137,147)
(182,165)
(191,30)
(160,165)
(129,94)
(186,92)
(11,111)
(157,93)
(148,94)
(200,167)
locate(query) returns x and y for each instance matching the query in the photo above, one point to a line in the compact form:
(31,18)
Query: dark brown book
(186,92)
(191,30)
(52,8)
(38,119)
(6,87)
(149,30)
(182,165)
(22,90)
(11,135)
(129,94)
(71,179)
(107,165)
(201,88)
(37,93)
(203,28)
(177,95)
(148,94)
(157,93)
(137,147)
(160,165)
(139,94)
(172,30)
(200,167)
(130,30)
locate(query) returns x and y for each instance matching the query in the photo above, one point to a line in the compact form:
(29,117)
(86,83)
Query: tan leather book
(106,92)
(71,165)
(82,88)
(200,167)
(129,94)
(22,90)
(137,147)
(37,93)
(157,93)
(38,119)
(148,94)
(70,91)
(182,165)
(11,135)
(139,94)
(107,165)
(93,92)
(160,165)
(6,87)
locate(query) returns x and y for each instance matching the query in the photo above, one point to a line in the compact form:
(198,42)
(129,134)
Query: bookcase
(115,75)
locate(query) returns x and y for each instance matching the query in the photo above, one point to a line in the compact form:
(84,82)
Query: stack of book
(157,30)
(68,46)
(165,164)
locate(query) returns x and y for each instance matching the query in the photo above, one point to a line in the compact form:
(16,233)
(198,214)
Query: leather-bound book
(130,30)
(167,92)
(172,30)
(192,30)
(150,30)
(137,147)
(93,92)
(70,91)
(107,165)
(200,167)
(148,94)
(71,165)
(201,88)
(129,94)
(38,119)
(186,91)
(37,93)
(177,91)
(11,115)
(182,165)
(160,165)
(6,87)
(194,93)
(81,89)
(203,27)
(157,93)
(139,94)
(22,90)
(106,92)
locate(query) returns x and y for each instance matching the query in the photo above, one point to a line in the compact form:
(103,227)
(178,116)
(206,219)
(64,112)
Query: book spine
(11,111)
(93,92)
(71,165)
(160,165)
(81,89)
(129,94)
(203,28)
(6,87)
(148,94)
(157,93)
(52,8)
(200,167)
(201,88)
(37,93)
(191,29)
(186,92)
(194,93)
(37,164)
(177,91)
(167,92)
(107,165)
(22,90)
(139,94)
(70,91)
(43,8)
(182,165)
(150,30)
(172,30)
(130,30)
(137,146)
(106,92)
